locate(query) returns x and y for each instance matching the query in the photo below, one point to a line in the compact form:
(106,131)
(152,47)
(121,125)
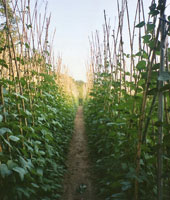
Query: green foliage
(36,117)
(113,114)
(112,144)
(33,155)
(112,128)
(80,88)
(140,25)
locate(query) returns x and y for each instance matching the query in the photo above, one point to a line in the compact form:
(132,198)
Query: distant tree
(80,86)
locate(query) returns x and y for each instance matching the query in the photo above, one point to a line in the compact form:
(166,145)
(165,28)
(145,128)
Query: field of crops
(126,103)
(36,115)
(128,110)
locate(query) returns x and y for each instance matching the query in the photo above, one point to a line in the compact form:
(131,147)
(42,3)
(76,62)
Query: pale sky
(74,21)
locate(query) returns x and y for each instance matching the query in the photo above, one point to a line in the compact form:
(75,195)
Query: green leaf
(28,113)
(14,138)
(146,38)
(142,53)
(138,53)
(150,27)
(141,65)
(23,191)
(3,63)
(110,123)
(6,141)
(58,123)
(20,171)
(164,76)
(20,96)
(152,44)
(1,118)
(42,152)
(23,81)
(40,171)
(28,26)
(145,55)
(46,132)
(125,185)
(152,7)
(11,164)
(141,24)
(154,75)
(117,195)
(26,164)
(27,45)
(156,66)
(154,12)
(5,130)
(4,171)
(35,185)
(20,60)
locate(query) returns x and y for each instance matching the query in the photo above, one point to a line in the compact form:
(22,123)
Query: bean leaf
(141,24)
(14,138)
(4,171)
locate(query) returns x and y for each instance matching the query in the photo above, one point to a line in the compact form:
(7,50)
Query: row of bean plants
(32,160)
(121,112)
(36,116)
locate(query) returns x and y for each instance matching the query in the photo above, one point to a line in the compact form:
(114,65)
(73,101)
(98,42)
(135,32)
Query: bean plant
(36,116)
(130,157)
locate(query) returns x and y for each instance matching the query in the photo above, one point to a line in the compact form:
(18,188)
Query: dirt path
(78,185)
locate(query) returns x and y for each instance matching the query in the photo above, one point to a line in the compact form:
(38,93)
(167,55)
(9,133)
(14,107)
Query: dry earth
(77,182)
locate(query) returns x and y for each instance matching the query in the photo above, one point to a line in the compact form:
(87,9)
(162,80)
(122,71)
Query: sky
(74,21)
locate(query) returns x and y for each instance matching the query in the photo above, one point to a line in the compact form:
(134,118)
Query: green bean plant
(121,111)
(36,116)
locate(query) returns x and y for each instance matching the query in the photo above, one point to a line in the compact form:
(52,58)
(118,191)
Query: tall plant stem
(142,113)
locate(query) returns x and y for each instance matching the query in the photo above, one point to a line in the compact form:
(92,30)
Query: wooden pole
(161,103)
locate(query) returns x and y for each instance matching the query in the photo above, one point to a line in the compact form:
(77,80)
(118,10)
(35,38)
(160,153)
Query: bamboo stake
(142,113)
(10,39)
(161,102)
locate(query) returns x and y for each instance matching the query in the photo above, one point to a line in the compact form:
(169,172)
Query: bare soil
(78,182)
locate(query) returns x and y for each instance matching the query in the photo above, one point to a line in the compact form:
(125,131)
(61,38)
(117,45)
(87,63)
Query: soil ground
(78,182)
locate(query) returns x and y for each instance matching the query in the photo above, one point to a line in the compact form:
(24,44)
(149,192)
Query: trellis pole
(161,101)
